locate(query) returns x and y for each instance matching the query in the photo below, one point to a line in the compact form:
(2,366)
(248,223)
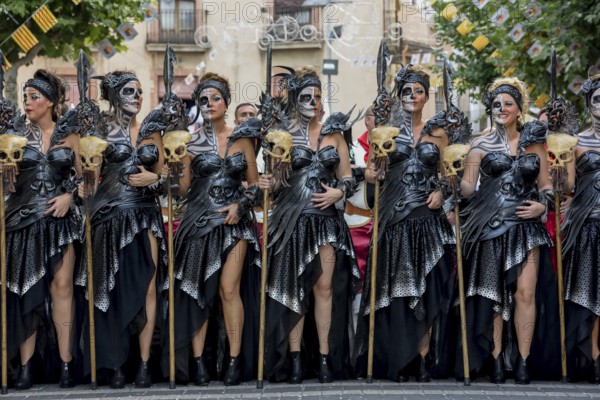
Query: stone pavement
(312,390)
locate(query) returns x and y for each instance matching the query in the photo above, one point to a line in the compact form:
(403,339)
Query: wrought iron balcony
(174,26)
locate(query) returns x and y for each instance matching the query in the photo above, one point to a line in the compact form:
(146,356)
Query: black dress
(202,245)
(35,244)
(582,260)
(414,265)
(296,231)
(122,216)
(496,244)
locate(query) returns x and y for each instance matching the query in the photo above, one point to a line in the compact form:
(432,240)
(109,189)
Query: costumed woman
(41,229)
(217,239)
(503,236)
(127,232)
(414,262)
(309,245)
(581,252)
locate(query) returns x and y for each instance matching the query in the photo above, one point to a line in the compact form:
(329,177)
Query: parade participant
(41,230)
(243,112)
(580,248)
(503,236)
(127,231)
(357,212)
(216,238)
(415,239)
(309,245)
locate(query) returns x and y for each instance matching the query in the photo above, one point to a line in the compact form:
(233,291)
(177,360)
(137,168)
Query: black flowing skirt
(292,273)
(582,295)
(491,272)
(414,288)
(198,266)
(33,256)
(123,269)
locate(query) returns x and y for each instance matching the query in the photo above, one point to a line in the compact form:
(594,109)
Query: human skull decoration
(383,140)
(90,151)
(175,145)
(281,145)
(560,149)
(453,158)
(11,149)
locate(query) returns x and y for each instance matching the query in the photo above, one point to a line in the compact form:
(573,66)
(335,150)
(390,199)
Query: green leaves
(570,26)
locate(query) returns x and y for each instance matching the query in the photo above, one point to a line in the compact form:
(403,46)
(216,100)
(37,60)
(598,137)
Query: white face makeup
(413,96)
(309,101)
(131,97)
(595,104)
(212,104)
(505,110)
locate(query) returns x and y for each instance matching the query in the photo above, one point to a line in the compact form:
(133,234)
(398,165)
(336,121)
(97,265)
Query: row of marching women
(448,273)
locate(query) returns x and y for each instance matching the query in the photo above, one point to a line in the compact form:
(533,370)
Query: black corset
(220,178)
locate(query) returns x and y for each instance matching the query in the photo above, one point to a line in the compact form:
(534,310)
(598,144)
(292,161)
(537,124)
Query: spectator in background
(243,112)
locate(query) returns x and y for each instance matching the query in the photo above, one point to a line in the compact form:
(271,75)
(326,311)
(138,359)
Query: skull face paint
(413,96)
(212,104)
(131,98)
(595,104)
(309,101)
(505,110)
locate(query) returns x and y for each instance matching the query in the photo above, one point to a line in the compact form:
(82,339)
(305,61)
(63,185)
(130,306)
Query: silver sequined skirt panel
(491,259)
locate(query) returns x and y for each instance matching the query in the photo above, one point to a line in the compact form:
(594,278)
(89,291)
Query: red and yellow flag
(24,38)
(542,100)
(76,1)
(480,42)
(45,19)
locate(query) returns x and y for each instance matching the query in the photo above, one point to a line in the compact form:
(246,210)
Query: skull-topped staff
(458,129)
(11,152)
(91,148)
(562,128)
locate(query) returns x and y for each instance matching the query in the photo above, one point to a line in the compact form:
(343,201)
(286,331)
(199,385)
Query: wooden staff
(263,284)
(171,267)
(461,284)
(558,181)
(3,281)
(90,287)
(374,246)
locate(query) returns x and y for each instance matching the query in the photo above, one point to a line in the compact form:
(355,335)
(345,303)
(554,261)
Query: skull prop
(560,149)
(11,149)
(454,158)
(174,143)
(90,150)
(382,140)
(281,145)
(11,152)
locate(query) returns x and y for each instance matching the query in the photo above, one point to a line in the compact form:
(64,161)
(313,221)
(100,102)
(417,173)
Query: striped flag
(76,1)
(542,100)
(24,38)
(45,19)
(480,42)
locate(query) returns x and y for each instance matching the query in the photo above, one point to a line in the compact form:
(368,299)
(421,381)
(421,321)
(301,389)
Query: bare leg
(146,334)
(424,345)
(295,336)
(229,289)
(61,291)
(525,312)
(198,340)
(594,338)
(498,330)
(323,297)
(27,348)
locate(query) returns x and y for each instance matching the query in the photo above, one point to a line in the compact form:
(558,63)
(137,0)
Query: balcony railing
(174,26)
(291,26)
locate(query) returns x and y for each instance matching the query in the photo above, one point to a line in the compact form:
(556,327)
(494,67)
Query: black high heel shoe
(66,375)
(325,374)
(118,379)
(521,374)
(143,379)
(202,377)
(423,374)
(297,375)
(25,379)
(232,376)
(498,373)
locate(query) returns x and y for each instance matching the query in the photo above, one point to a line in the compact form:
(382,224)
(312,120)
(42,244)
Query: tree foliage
(569,26)
(80,26)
